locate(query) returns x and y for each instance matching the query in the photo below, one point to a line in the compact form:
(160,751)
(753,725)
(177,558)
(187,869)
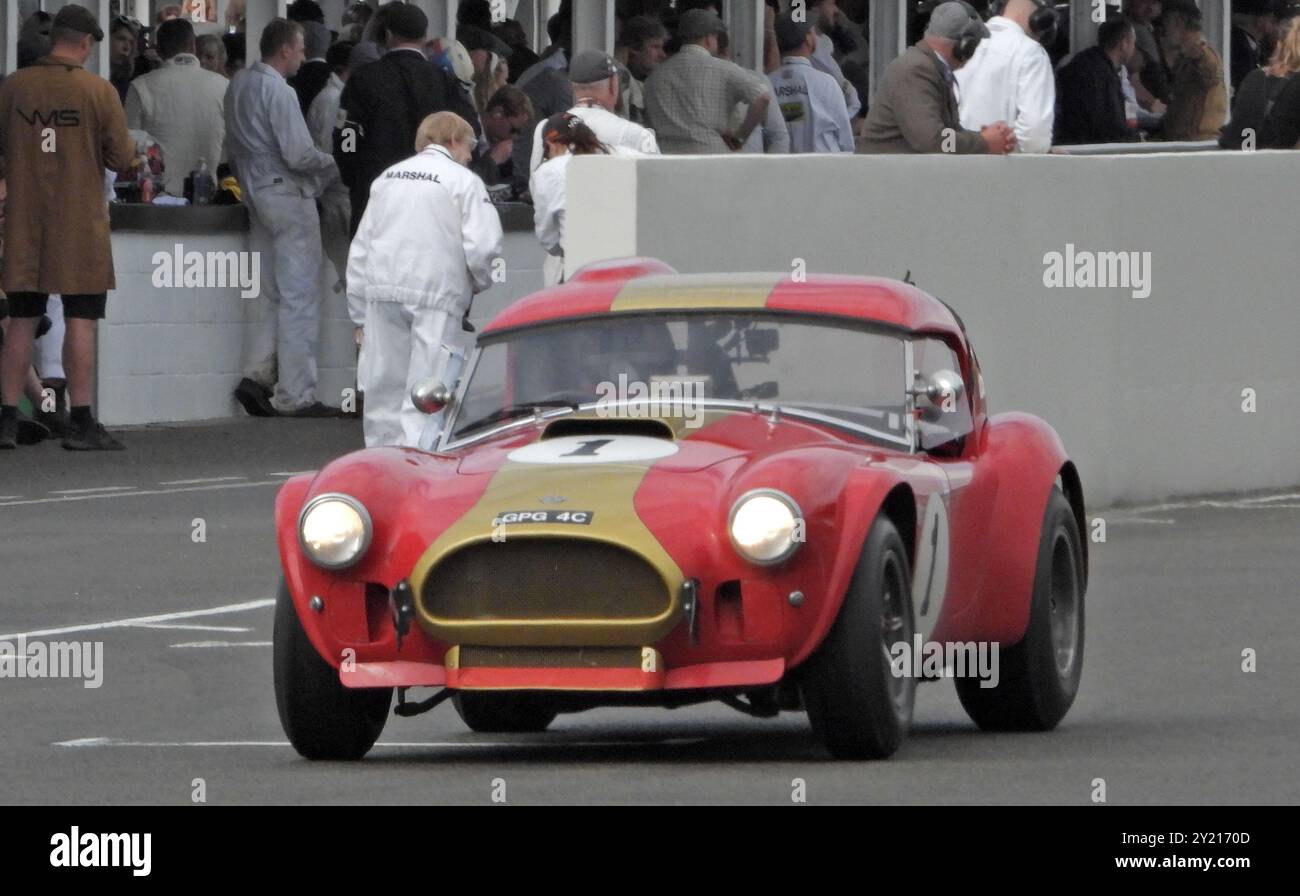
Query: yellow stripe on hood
(688,291)
(605,489)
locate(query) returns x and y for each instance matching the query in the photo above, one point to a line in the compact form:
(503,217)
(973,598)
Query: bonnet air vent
(606,426)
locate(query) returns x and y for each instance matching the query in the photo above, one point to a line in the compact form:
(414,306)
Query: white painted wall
(1146,393)
(173,355)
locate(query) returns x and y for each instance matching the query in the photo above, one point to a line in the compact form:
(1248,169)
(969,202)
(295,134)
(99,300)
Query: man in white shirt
(1010,76)
(594,76)
(426,245)
(810,101)
(180,106)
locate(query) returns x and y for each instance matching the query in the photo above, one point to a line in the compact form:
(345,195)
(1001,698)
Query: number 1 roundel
(930,581)
(593,449)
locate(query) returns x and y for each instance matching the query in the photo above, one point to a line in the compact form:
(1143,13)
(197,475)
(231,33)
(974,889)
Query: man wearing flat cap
(690,97)
(60,127)
(594,76)
(915,110)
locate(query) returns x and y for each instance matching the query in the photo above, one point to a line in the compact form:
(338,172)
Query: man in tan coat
(1198,101)
(60,127)
(916,109)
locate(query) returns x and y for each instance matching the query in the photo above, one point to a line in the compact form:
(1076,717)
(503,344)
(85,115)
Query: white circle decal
(930,582)
(593,449)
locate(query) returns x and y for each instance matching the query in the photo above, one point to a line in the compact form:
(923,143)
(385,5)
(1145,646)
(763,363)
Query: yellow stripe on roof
(688,291)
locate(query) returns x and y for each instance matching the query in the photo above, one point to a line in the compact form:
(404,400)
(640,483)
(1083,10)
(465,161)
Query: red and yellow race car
(659,489)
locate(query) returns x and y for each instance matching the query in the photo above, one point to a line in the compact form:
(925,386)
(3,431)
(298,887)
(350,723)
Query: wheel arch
(1072,485)
(899,507)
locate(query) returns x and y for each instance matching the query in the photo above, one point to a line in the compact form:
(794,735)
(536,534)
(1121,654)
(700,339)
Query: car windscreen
(823,367)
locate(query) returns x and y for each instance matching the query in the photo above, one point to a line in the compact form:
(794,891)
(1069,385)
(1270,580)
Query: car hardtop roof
(647,285)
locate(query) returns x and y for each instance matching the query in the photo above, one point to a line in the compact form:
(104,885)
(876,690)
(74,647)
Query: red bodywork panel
(993,494)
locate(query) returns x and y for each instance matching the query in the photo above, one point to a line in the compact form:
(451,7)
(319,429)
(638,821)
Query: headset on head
(1042,21)
(970,37)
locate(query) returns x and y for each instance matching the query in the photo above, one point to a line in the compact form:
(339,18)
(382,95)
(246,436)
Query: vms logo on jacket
(59,118)
(413,175)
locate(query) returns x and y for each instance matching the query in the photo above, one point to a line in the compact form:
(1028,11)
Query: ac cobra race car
(660,489)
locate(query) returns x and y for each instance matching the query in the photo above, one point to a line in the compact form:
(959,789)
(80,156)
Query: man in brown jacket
(1198,99)
(915,109)
(60,127)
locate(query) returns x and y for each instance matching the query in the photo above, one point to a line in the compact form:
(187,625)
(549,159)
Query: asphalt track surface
(1165,713)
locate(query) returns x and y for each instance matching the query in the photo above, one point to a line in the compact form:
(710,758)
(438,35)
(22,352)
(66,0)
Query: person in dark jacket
(1254,28)
(1089,95)
(384,102)
(314,74)
(1266,113)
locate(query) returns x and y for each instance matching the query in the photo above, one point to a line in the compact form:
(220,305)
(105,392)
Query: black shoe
(8,433)
(30,432)
(91,438)
(316,409)
(255,398)
(57,423)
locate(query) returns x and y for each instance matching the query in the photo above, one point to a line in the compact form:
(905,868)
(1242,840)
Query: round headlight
(766,526)
(334,531)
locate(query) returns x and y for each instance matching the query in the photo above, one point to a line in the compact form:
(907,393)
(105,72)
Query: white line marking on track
(551,744)
(222,644)
(142,492)
(138,620)
(205,481)
(91,491)
(194,628)
(1124,521)
(1257,502)
(293,473)
(9,497)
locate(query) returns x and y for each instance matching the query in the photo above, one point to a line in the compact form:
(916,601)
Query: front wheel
(856,704)
(322,718)
(1039,677)
(500,712)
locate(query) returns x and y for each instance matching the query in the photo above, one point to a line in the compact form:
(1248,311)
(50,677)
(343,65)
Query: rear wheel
(1039,677)
(500,712)
(857,706)
(322,718)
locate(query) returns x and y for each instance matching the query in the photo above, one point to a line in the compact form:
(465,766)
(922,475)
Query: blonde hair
(1286,58)
(444,129)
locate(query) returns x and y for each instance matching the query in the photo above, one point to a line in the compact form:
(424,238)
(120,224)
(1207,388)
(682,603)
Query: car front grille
(544,579)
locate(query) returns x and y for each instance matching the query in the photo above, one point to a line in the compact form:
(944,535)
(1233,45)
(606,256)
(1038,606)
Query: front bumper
(650,675)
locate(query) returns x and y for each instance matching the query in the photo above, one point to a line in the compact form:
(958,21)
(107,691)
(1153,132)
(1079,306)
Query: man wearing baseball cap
(594,76)
(60,127)
(915,110)
(689,98)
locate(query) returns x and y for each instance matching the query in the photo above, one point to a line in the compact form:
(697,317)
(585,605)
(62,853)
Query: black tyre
(856,705)
(322,718)
(500,712)
(1039,676)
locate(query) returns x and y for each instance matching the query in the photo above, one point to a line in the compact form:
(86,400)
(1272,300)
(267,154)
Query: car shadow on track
(672,744)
